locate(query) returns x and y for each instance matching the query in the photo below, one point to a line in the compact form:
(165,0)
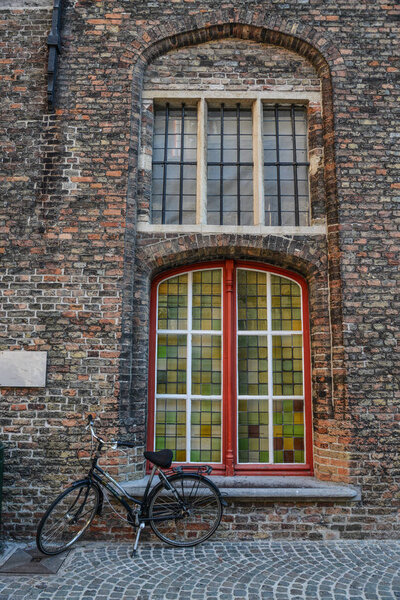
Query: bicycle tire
(187,526)
(59,527)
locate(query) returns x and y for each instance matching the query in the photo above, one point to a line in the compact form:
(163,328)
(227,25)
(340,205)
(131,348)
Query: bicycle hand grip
(127,444)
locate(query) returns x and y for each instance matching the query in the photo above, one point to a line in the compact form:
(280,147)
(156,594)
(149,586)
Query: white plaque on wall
(19,368)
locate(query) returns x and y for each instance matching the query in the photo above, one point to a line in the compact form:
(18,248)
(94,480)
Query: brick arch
(264,34)
(192,248)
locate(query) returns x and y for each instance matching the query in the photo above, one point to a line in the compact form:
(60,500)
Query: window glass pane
(287,351)
(206,300)
(285,304)
(174,146)
(229,136)
(171,364)
(173,303)
(285,143)
(252,300)
(206,429)
(288,431)
(253,365)
(253,435)
(171,426)
(206,365)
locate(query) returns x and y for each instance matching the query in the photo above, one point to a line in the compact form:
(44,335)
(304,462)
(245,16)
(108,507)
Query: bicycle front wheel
(67,518)
(189,518)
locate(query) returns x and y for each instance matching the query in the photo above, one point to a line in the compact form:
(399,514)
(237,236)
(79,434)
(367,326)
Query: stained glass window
(268,351)
(270,366)
(191,305)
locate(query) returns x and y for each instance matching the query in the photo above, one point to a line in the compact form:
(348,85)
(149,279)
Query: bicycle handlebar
(127,444)
(114,444)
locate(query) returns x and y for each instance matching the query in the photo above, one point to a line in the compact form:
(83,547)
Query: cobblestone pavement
(342,570)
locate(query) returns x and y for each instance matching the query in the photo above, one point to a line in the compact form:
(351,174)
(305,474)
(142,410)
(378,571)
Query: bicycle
(183,509)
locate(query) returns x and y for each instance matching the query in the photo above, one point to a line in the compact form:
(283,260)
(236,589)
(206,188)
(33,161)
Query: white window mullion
(270,373)
(258,158)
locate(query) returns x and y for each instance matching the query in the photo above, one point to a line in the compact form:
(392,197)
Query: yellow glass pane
(285,300)
(252,300)
(173,303)
(207,300)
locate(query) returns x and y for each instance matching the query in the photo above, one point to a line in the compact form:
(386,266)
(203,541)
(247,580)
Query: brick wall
(70,189)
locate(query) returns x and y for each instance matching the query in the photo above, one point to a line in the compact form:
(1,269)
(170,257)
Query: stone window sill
(317,229)
(271,488)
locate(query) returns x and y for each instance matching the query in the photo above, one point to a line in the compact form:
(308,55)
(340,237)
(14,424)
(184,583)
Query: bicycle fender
(223,501)
(161,484)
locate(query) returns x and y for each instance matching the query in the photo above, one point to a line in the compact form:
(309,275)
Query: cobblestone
(338,570)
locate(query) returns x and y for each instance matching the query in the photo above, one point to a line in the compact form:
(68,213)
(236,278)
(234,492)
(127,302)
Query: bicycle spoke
(193,521)
(67,518)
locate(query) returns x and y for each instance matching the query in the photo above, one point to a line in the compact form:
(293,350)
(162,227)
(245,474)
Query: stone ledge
(270,488)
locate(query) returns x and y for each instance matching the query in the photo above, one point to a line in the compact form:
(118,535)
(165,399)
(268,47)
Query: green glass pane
(171,364)
(206,430)
(287,365)
(253,431)
(285,302)
(206,300)
(173,303)
(253,365)
(171,426)
(206,365)
(289,437)
(252,300)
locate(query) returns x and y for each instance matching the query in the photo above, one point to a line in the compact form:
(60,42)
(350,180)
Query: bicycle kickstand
(139,531)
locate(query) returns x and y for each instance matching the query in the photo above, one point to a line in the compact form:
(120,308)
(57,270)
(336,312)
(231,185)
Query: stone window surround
(255,100)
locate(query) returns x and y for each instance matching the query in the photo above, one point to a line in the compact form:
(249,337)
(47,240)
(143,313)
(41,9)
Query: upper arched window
(230,368)
(231,138)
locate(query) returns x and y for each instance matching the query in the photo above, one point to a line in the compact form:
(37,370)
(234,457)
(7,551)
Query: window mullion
(189,370)
(221,172)
(258,164)
(270,373)
(201,189)
(238,207)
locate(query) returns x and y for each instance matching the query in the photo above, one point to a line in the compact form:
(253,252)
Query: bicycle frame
(104,479)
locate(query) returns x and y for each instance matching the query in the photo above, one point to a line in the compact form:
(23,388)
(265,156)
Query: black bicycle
(183,509)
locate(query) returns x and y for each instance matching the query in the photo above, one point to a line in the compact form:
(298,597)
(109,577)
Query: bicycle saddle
(163,458)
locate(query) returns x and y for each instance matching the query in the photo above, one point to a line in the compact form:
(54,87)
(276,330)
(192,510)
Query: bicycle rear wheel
(190,520)
(67,518)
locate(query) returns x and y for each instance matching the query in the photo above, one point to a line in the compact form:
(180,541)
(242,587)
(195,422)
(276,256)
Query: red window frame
(229,465)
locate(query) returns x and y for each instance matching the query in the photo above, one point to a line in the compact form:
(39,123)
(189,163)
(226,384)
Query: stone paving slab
(262,570)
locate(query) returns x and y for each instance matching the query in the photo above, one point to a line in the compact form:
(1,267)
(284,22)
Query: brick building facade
(81,245)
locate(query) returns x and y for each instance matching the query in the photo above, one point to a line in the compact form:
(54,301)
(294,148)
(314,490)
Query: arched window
(230,368)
